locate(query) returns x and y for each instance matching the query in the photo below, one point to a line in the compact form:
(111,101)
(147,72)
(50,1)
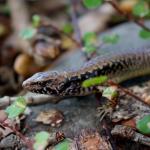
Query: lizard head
(53,83)
(44,83)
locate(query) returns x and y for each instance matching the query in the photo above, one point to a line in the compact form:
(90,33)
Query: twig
(128,132)
(30,100)
(28,142)
(20,21)
(19,14)
(127,92)
(108,133)
(77,28)
(75,21)
(128,16)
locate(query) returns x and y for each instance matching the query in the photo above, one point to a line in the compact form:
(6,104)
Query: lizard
(118,67)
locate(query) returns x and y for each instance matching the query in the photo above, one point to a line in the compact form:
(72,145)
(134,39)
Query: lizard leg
(110,100)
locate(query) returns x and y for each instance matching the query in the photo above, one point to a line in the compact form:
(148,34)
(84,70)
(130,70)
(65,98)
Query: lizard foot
(103,111)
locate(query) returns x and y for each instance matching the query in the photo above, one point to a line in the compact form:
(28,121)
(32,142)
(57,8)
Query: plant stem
(73,13)
(28,143)
(127,92)
(128,16)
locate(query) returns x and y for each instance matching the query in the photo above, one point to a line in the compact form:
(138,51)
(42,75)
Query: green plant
(143,125)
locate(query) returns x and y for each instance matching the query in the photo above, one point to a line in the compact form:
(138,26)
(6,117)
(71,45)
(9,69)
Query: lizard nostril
(27,83)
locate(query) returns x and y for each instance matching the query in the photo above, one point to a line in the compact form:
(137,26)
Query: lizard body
(118,66)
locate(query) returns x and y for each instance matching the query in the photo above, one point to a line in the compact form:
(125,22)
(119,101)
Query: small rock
(91,140)
(52,117)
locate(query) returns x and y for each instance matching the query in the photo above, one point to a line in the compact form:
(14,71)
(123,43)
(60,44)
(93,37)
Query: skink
(118,66)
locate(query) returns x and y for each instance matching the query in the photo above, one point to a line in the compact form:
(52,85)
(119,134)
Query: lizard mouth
(28,85)
(33,87)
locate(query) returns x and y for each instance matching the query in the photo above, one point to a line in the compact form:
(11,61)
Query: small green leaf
(89,48)
(90,4)
(94,81)
(17,108)
(144,34)
(41,140)
(64,145)
(28,33)
(89,38)
(141,9)
(41,136)
(68,28)
(36,20)
(143,125)
(111,39)
(110,92)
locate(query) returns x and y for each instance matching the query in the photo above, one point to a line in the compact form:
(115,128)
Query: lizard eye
(48,82)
